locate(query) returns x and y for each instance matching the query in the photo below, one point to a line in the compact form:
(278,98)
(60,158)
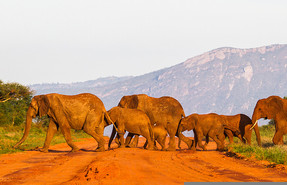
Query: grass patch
(10,135)
(269,152)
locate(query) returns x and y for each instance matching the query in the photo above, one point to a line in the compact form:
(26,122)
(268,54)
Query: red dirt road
(131,166)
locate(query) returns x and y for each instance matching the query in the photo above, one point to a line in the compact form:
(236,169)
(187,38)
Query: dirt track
(131,166)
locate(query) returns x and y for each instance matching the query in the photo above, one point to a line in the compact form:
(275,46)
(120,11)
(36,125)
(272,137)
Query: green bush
(268,151)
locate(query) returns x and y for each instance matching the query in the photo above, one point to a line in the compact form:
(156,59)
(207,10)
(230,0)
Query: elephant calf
(160,134)
(136,122)
(209,125)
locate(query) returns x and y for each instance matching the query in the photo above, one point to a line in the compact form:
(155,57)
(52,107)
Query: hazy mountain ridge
(224,80)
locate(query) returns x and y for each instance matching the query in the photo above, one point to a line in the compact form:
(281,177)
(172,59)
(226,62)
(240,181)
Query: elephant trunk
(180,135)
(27,127)
(255,126)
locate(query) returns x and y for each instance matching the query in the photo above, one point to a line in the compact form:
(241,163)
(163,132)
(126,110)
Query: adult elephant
(275,108)
(165,111)
(239,126)
(81,112)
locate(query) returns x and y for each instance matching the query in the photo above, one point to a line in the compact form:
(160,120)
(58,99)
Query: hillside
(224,80)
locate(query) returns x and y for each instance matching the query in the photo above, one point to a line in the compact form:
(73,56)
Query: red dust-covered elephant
(81,112)
(165,111)
(275,108)
(239,125)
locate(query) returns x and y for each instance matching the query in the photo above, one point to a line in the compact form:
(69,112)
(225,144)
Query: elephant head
(130,102)
(267,108)
(186,123)
(39,106)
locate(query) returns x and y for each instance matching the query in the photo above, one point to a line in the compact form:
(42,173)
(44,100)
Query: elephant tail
(151,131)
(112,137)
(110,121)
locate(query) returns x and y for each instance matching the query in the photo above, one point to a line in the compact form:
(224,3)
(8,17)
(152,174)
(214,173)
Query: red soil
(132,166)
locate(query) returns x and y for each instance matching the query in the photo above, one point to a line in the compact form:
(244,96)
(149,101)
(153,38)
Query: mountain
(225,81)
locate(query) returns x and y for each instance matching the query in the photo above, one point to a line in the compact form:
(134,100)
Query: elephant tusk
(254,125)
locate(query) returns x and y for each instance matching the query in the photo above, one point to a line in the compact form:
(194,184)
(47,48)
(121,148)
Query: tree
(14,101)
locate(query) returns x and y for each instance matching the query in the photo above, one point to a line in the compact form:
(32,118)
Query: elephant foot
(44,150)
(170,149)
(193,149)
(75,149)
(131,145)
(190,145)
(220,149)
(100,149)
(150,148)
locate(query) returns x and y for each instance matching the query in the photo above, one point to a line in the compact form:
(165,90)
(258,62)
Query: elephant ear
(44,105)
(134,101)
(193,119)
(275,104)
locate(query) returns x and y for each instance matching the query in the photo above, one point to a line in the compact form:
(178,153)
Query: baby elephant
(134,121)
(160,134)
(209,125)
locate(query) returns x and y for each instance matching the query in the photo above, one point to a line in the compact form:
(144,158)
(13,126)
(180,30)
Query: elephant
(209,125)
(273,107)
(241,125)
(136,122)
(160,134)
(80,112)
(165,111)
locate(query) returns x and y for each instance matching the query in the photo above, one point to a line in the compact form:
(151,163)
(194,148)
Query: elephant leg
(149,144)
(278,138)
(186,140)
(117,140)
(128,139)
(199,138)
(221,138)
(67,135)
(195,141)
(217,140)
(50,133)
(206,140)
(112,137)
(161,141)
(241,139)
(155,147)
(135,142)
(229,135)
(97,134)
(122,140)
(172,145)
(247,136)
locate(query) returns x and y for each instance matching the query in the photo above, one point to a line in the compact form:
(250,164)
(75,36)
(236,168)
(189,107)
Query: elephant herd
(152,118)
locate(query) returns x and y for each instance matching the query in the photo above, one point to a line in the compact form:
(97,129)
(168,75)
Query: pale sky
(72,41)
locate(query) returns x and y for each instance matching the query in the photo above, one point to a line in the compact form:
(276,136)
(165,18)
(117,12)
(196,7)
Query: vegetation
(10,135)
(269,152)
(14,102)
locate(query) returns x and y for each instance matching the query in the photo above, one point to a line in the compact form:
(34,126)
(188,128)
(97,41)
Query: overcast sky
(72,41)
